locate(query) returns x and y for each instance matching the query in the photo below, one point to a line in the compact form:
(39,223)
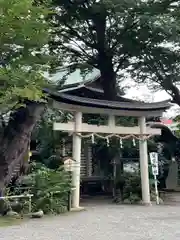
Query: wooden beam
(106,111)
(88,128)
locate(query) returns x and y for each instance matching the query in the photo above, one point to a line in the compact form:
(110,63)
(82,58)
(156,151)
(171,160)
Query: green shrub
(49,188)
(130,184)
(132,187)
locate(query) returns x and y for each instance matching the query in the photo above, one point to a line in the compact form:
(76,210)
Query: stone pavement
(102,222)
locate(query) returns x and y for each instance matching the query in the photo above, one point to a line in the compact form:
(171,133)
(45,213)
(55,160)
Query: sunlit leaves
(24,35)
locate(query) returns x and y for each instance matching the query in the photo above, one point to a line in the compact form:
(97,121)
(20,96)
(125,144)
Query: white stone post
(111,121)
(77,157)
(144,164)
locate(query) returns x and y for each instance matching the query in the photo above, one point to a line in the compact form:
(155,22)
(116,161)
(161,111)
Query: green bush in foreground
(49,188)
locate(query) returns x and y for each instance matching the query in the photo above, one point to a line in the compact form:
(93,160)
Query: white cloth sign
(154,163)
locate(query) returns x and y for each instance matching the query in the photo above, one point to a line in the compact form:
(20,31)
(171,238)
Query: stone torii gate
(78,127)
(88,97)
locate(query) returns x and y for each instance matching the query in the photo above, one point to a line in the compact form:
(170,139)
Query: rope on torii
(120,137)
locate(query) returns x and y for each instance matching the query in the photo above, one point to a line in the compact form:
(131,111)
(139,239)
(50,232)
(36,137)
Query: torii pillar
(143,151)
(76,153)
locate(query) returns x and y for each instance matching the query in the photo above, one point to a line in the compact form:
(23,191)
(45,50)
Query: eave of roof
(68,89)
(67,94)
(76,100)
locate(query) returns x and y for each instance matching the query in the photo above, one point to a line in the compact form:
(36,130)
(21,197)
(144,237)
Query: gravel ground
(103,222)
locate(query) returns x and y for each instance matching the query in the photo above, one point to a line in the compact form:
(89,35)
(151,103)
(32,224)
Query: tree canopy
(124,38)
(24,35)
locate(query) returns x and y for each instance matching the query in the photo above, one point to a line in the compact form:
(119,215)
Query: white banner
(155,172)
(154,162)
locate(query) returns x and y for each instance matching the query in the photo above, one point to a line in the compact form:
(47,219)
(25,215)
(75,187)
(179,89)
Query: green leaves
(50,188)
(133,35)
(24,35)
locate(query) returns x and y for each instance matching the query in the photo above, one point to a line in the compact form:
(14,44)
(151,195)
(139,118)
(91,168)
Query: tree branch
(74,33)
(120,63)
(125,30)
(167,83)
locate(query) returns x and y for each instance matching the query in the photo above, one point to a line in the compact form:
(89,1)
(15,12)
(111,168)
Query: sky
(143,93)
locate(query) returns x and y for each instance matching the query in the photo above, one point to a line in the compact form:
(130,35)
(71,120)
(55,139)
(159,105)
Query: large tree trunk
(109,84)
(15,139)
(108,76)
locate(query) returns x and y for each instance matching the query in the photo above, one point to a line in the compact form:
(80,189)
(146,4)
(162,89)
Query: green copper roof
(75,77)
